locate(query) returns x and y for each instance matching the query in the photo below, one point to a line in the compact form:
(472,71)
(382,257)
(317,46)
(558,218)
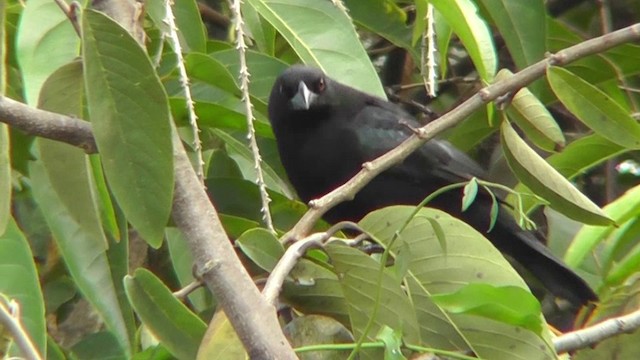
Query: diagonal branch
(519,80)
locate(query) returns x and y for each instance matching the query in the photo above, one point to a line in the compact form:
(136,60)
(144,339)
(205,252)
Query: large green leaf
(322,35)
(177,328)
(69,177)
(130,115)
(369,291)
(534,172)
(80,242)
(45,41)
(594,108)
(463,17)
(19,282)
(468,258)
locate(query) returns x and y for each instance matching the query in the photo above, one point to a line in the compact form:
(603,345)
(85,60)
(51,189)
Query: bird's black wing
(380,126)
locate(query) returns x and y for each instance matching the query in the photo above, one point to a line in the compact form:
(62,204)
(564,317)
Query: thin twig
(592,335)
(294,252)
(71,12)
(454,117)
(241,46)
(10,321)
(191,287)
(184,83)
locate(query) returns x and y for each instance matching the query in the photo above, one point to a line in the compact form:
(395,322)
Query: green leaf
(545,181)
(239,150)
(358,275)
(469,259)
(170,321)
(463,17)
(97,346)
(508,304)
(322,35)
(594,108)
(470,191)
(191,29)
(262,33)
(534,118)
(575,159)
(522,25)
(42,29)
(69,178)
(262,247)
(205,68)
(80,242)
(314,289)
(130,115)
(621,210)
(19,282)
(392,340)
(385,18)
(264,70)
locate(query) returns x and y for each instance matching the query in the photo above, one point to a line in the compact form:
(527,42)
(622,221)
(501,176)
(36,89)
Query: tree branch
(519,80)
(10,321)
(590,336)
(46,124)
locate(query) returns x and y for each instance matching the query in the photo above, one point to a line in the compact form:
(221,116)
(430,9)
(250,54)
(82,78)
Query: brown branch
(46,124)
(592,335)
(519,80)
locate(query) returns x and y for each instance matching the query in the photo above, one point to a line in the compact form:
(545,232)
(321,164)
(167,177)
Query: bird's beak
(304,98)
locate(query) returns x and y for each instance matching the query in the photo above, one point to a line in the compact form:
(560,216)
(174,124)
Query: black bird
(326,130)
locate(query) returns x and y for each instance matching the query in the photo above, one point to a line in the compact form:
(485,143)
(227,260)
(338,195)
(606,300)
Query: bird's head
(301,88)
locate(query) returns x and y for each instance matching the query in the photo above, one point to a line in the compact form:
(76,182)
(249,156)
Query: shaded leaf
(221,341)
(82,246)
(470,259)
(316,329)
(359,275)
(545,181)
(594,108)
(534,118)
(177,328)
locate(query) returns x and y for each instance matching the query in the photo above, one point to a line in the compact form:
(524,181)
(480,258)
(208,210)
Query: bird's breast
(319,161)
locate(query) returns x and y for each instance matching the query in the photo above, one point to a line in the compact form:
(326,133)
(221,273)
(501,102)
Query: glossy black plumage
(326,130)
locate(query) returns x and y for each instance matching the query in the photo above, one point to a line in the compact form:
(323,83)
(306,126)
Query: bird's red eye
(320,85)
